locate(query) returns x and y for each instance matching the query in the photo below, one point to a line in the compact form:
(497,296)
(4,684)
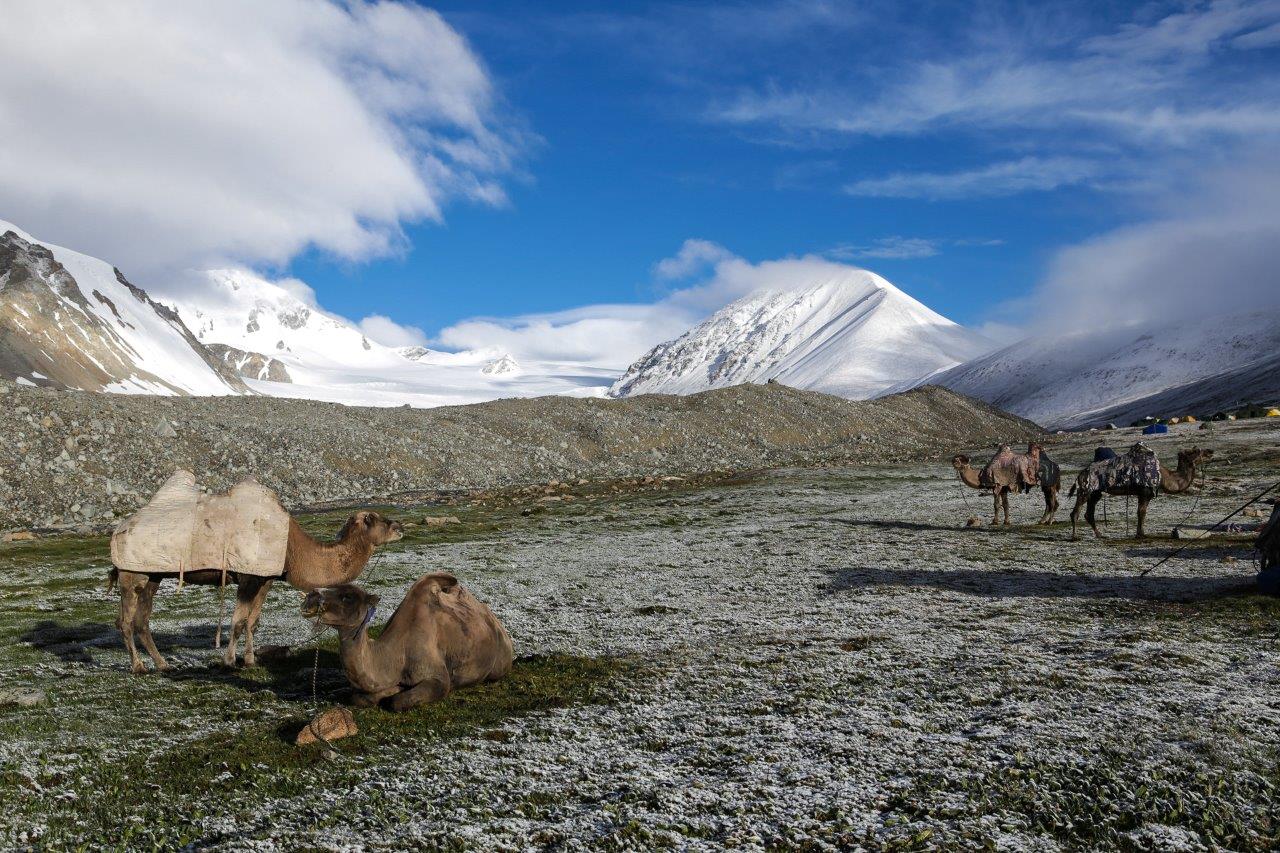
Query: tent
(1155,429)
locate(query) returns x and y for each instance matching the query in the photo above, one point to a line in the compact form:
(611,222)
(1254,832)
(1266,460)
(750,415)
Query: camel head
(345,606)
(959,461)
(1195,456)
(379,529)
(1035,448)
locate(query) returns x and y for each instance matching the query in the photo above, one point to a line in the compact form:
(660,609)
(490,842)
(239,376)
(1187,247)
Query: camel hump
(244,531)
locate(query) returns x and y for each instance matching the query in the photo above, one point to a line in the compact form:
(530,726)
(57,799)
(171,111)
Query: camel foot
(138,668)
(364,700)
(163,666)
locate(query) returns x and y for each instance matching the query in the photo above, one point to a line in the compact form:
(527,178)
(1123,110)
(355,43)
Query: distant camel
(1008,471)
(308,565)
(1173,482)
(1050,482)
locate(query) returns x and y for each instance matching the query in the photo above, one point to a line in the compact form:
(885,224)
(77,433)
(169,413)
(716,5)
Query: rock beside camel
(331,725)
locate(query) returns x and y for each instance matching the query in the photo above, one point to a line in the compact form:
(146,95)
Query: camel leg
(1143,500)
(239,618)
(367,700)
(254,590)
(1089,513)
(1004,502)
(995,497)
(1050,504)
(431,690)
(142,622)
(131,585)
(1075,513)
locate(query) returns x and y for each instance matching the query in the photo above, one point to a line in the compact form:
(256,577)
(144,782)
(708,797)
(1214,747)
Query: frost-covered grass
(803,659)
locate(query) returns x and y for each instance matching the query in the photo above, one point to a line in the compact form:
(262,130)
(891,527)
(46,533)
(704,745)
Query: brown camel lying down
(440,638)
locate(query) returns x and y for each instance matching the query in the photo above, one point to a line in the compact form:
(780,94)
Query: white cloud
(997,179)
(607,336)
(389,333)
(161,134)
(613,336)
(1174,85)
(1212,250)
(895,248)
(695,256)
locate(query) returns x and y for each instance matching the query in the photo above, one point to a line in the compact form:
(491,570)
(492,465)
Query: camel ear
(365,518)
(443,581)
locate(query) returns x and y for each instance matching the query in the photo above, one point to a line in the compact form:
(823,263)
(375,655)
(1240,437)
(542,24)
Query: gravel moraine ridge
(74,460)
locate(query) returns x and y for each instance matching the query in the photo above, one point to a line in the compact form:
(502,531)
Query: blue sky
(630,161)
(1003,162)
(659,122)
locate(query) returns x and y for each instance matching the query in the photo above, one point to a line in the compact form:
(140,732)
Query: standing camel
(1005,472)
(1090,486)
(1050,477)
(308,565)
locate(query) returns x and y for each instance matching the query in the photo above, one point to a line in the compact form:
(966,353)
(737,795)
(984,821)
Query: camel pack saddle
(181,530)
(1139,468)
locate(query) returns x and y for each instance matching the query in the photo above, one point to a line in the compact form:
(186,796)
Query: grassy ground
(797,659)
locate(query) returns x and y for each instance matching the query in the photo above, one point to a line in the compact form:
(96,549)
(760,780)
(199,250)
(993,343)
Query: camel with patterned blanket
(1137,473)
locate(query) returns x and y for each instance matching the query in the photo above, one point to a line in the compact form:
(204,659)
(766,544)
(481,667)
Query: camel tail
(112,577)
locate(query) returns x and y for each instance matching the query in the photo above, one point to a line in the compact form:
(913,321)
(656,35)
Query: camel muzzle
(312,605)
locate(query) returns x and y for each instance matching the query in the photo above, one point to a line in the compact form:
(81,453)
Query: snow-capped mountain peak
(74,321)
(852,334)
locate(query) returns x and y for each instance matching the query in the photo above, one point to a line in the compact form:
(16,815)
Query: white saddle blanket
(182,530)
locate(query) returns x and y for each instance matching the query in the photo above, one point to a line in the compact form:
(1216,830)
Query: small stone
(440,520)
(164,429)
(330,725)
(19,536)
(973,522)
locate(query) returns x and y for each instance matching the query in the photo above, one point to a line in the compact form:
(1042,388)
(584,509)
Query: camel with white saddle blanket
(244,537)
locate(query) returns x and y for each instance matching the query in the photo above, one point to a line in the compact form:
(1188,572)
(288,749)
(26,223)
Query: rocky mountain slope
(853,335)
(73,459)
(1091,378)
(71,321)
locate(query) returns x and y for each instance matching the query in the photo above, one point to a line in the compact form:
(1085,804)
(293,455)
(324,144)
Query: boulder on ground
(440,520)
(331,725)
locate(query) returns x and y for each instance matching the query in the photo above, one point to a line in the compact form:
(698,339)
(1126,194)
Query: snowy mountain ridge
(853,334)
(1116,375)
(69,320)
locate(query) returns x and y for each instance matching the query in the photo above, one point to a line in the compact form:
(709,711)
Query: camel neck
(361,661)
(310,564)
(1179,480)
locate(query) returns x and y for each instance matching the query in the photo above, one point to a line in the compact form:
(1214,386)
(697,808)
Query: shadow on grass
(149,791)
(72,642)
(1030,583)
